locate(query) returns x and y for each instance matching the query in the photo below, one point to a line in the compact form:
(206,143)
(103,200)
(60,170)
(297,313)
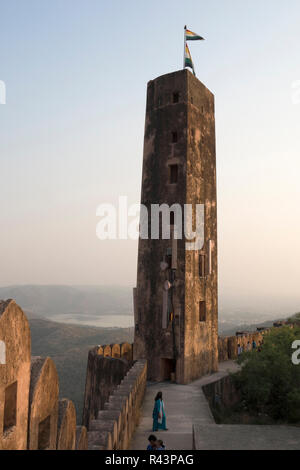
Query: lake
(103,321)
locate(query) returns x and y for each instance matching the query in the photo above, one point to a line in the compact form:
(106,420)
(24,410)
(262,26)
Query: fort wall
(31,415)
(14,376)
(66,429)
(228,345)
(115,387)
(123,350)
(104,374)
(43,404)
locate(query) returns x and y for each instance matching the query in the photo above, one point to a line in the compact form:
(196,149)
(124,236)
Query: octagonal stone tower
(176,298)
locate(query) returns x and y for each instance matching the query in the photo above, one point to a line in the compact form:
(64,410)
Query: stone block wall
(14,376)
(81,438)
(104,374)
(114,425)
(228,346)
(31,415)
(123,350)
(43,404)
(221,393)
(66,429)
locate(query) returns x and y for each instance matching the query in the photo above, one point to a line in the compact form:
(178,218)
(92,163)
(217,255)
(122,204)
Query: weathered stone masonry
(14,377)
(177,331)
(33,417)
(103,376)
(113,397)
(228,345)
(31,414)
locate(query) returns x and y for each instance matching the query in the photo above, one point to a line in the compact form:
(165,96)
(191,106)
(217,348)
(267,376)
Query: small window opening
(202,265)
(175,97)
(174,137)
(202,311)
(192,100)
(193,133)
(173,174)
(10,407)
(169,258)
(44,434)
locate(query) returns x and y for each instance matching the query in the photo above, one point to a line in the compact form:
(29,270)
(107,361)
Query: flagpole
(184,47)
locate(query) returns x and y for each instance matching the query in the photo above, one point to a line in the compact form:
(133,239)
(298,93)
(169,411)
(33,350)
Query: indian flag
(188,59)
(190,36)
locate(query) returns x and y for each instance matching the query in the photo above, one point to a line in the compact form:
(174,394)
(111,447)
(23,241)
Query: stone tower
(176,298)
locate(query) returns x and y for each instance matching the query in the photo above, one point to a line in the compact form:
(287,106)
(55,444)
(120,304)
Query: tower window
(202,311)
(174,137)
(169,257)
(176,97)
(209,260)
(192,100)
(201,265)
(10,407)
(173,174)
(193,133)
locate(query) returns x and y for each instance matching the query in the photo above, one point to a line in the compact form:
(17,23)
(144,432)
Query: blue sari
(159,423)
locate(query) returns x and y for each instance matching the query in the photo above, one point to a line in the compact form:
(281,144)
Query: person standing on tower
(159,415)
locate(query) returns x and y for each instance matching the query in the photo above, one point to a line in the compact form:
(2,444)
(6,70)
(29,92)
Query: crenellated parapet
(14,376)
(103,375)
(66,431)
(115,423)
(31,415)
(230,346)
(43,404)
(123,350)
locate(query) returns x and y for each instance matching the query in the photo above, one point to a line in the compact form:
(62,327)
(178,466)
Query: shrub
(269,381)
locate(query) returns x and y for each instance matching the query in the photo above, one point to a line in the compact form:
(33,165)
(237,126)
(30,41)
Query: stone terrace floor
(246,437)
(186,406)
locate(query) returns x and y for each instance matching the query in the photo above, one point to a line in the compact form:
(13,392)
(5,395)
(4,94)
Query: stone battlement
(33,417)
(113,397)
(228,345)
(123,350)
(31,414)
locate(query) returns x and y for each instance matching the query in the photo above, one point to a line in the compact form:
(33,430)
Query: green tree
(269,382)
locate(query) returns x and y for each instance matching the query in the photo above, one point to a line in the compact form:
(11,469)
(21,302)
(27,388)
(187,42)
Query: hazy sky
(71,133)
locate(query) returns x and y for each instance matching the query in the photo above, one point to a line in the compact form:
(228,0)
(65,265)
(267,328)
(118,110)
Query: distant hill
(68,346)
(232,329)
(106,306)
(48,301)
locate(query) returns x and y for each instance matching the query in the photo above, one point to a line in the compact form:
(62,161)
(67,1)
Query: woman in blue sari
(159,415)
